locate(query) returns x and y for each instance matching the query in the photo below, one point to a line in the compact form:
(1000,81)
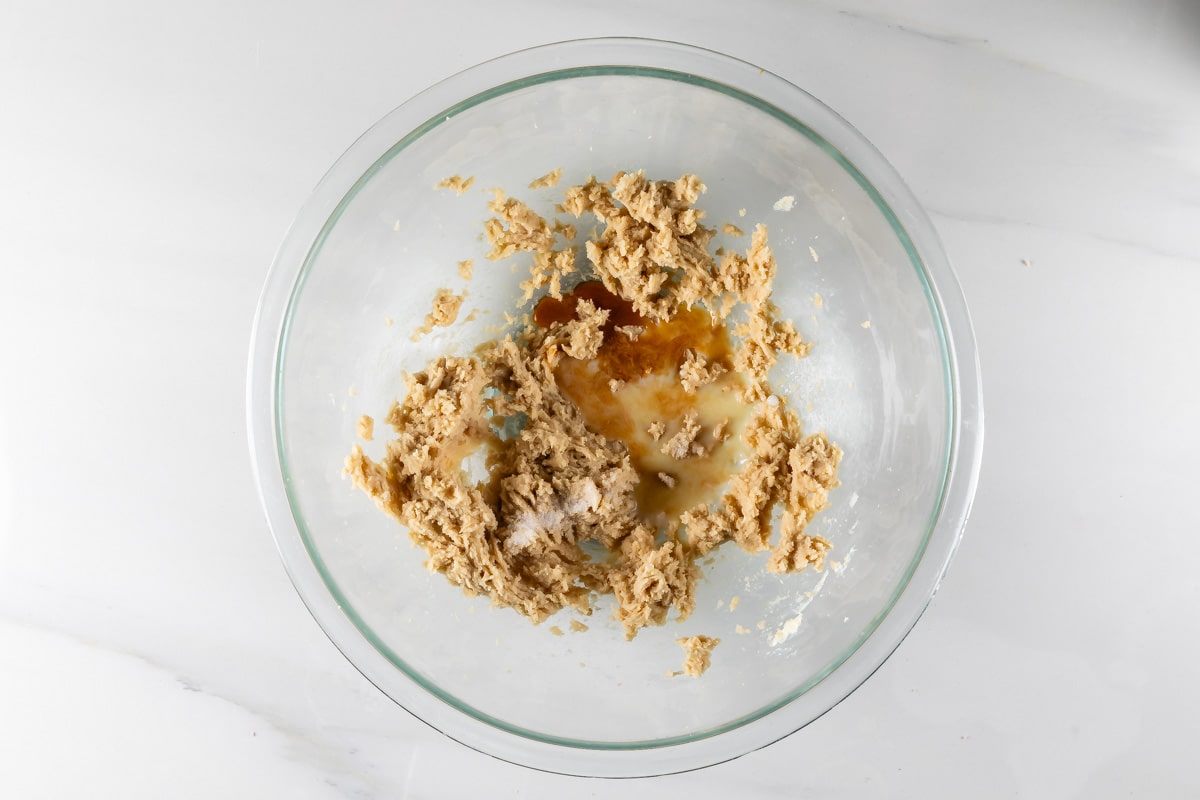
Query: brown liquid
(620,312)
(649,369)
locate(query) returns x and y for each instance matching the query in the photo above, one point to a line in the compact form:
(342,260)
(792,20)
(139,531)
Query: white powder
(786,203)
(787,630)
(521,534)
(840,566)
(585,497)
(528,527)
(816,589)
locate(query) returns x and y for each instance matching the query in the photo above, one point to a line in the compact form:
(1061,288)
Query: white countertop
(153,156)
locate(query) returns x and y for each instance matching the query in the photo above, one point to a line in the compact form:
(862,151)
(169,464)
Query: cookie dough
(627,434)
(551,178)
(444,312)
(697,654)
(456,183)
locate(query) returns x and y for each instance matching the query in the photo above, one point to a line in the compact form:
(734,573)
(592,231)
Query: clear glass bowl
(901,396)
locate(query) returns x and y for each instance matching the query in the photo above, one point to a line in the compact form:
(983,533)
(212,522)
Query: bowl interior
(880,391)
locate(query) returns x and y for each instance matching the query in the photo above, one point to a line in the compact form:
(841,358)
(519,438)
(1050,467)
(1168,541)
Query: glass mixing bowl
(892,378)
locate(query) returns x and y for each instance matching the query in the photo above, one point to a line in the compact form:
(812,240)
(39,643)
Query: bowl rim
(564,60)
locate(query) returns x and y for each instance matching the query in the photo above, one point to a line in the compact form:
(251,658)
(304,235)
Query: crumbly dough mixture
(697,654)
(456,183)
(551,178)
(443,313)
(558,524)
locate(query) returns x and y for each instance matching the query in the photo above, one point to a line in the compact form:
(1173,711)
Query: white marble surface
(153,155)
